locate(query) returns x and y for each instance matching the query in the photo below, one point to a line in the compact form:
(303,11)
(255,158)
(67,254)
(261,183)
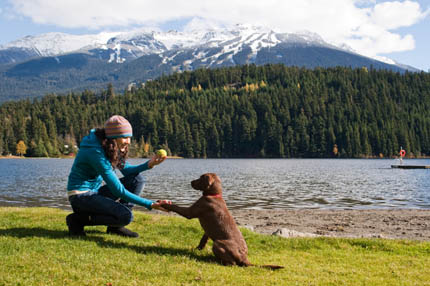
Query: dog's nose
(194,184)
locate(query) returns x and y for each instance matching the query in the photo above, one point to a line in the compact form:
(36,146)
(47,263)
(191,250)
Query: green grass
(36,250)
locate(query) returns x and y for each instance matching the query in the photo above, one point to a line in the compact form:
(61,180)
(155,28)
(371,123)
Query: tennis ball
(162,153)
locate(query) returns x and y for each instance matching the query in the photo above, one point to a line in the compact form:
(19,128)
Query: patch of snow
(52,44)
(384,60)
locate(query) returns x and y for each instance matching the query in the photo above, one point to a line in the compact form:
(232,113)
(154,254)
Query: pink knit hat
(117,126)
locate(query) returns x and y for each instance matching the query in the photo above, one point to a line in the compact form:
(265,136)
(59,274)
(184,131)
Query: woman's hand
(155,161)
(158,204)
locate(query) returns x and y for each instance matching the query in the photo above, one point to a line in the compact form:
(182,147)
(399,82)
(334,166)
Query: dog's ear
(208,180)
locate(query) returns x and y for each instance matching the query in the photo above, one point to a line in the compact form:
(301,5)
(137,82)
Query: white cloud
(368,26)
(392,15)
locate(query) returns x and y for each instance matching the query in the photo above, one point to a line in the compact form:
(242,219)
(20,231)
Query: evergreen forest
(270,111)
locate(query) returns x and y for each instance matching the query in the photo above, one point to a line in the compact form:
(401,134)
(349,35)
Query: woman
(101,152)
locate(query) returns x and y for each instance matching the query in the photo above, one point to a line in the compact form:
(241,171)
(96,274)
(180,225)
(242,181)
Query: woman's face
(123,142)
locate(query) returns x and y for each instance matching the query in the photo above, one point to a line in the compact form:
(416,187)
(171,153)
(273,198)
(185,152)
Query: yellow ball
(162,153)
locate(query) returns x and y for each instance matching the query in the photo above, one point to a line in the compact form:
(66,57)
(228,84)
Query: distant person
(100,153)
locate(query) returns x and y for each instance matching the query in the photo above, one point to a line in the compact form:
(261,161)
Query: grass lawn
(36,250)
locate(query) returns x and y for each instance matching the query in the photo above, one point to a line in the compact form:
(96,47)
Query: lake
(247,183)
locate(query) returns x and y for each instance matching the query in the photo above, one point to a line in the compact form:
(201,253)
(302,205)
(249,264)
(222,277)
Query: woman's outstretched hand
(156,160)
(158,204)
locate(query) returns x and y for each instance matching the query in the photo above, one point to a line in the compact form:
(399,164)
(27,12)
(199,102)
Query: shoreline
(179,157)
(412,224)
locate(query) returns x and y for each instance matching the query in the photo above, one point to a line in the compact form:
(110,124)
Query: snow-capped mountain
(53,44)
(58,63)
(123,46)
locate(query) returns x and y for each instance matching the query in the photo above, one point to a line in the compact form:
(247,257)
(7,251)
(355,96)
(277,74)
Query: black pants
(104,208)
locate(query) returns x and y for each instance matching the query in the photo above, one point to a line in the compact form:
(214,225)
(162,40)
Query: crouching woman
(100,153)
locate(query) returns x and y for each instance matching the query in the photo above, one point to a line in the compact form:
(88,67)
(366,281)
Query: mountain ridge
(149,41)
(35,66)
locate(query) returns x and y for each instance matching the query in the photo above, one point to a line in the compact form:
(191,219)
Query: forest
(250,111)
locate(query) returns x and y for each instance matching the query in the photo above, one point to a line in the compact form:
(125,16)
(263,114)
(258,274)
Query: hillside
(245,111)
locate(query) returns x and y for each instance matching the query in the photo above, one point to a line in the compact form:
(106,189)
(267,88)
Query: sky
(383,29)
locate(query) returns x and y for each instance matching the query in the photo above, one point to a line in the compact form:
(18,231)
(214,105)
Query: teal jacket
(91,167)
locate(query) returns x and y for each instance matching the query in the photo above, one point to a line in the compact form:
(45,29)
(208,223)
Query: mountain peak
(55,43)
(227,43)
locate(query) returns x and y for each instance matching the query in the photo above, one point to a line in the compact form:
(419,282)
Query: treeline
(245,111)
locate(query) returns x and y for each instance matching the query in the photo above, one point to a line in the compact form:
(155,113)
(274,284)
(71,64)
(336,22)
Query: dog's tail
(271,267)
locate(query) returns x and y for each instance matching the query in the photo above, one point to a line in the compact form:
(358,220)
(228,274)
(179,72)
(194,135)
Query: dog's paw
(166,206)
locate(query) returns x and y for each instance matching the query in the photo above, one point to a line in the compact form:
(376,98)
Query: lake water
(247,183)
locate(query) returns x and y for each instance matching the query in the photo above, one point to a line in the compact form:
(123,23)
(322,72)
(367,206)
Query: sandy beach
(392,224)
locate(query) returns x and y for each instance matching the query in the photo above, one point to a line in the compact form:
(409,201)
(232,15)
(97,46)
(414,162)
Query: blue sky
(384,29)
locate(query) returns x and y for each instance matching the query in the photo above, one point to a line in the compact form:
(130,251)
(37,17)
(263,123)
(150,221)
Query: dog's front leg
(193,211)
(183,211)
(203,242)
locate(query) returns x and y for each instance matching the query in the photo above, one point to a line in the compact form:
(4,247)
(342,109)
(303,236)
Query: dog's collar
(215,196)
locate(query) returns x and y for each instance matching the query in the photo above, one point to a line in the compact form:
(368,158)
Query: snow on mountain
(132,45)
(256,37)
(126,46)
(178,40)
(52,44)
(385,60)
(230,41)
(304,37)
(145,41)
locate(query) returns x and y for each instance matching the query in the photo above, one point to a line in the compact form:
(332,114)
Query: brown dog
(217,222)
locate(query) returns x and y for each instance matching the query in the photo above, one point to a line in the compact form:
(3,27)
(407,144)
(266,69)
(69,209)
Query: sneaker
(76,228)
(121,231)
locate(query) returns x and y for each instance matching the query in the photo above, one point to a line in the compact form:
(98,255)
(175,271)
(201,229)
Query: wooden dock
(411,166)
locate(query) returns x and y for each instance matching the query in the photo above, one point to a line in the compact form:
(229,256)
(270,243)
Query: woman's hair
(115,156)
